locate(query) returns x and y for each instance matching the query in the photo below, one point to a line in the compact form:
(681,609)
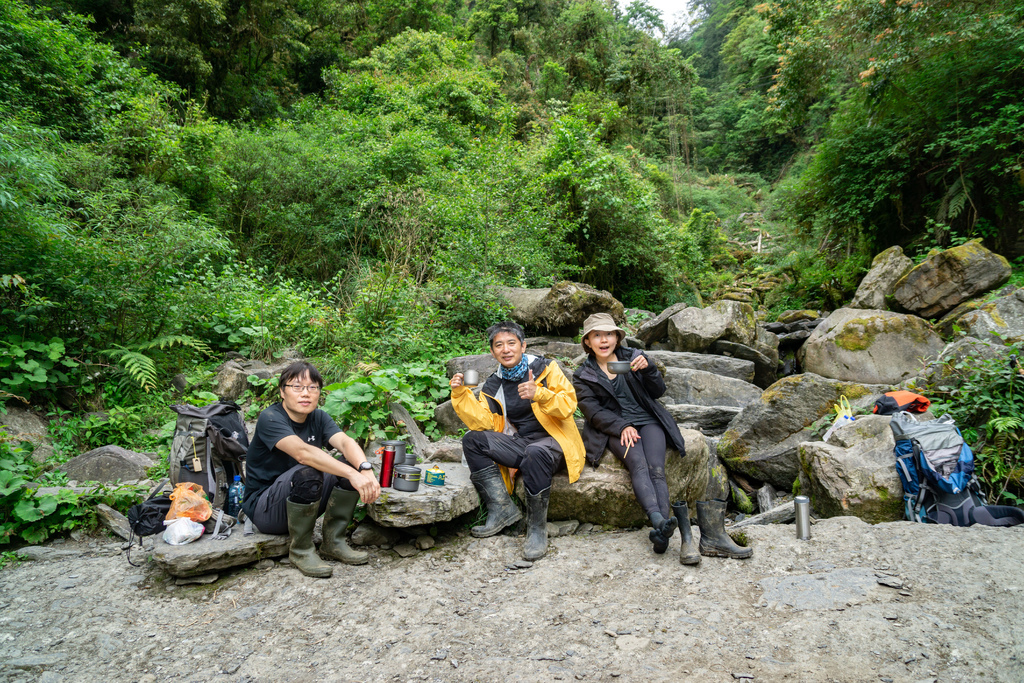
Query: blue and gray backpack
(936,468)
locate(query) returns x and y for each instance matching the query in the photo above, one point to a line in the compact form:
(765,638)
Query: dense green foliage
(180,180)
(986,398)
(28,518)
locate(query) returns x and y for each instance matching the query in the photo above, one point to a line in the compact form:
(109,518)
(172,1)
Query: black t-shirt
(631,410)
(265,462)
(519,412)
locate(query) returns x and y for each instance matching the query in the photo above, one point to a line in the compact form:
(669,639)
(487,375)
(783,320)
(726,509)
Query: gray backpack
(209,448)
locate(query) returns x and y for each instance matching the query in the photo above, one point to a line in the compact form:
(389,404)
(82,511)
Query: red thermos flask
(387,466)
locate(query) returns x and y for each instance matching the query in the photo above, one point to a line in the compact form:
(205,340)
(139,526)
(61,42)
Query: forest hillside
(179,181)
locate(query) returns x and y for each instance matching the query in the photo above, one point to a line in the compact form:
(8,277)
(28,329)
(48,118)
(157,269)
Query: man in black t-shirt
(291,480)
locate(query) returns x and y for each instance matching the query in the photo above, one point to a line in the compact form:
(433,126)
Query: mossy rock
(869,346)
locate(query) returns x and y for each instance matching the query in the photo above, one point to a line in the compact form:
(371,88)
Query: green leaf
(26,511)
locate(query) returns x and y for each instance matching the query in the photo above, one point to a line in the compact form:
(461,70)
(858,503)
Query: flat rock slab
(827,590)
(430,504)
(207,556)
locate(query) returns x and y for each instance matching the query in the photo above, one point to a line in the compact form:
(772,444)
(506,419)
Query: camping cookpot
(400,455)
(407,478)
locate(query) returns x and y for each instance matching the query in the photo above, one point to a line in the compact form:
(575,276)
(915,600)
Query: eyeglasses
(298,388)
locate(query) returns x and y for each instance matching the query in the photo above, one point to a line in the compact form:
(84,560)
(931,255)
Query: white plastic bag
(181,531)
(844,416)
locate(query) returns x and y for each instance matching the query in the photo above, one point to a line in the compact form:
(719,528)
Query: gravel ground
(892,602)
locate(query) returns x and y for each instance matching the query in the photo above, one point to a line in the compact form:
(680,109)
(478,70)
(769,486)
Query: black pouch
(147,518)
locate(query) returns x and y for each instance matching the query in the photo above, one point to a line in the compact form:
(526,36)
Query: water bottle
(235,493)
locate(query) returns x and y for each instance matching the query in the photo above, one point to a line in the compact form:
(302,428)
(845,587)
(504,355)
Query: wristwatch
(363,466)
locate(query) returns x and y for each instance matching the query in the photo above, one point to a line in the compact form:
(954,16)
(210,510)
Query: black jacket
(596,399)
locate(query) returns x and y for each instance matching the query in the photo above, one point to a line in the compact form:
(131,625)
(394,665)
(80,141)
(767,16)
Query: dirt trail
(600,607)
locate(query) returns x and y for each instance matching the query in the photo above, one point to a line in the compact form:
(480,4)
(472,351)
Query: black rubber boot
(301,551)
(714,542)
(688,552)
(536,545)
(501,509)
(340,507)
(662,532)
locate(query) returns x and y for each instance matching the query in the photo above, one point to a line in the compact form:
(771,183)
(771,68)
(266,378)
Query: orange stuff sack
(897,401)
(189,501)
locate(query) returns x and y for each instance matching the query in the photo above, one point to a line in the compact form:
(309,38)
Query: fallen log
(782,514)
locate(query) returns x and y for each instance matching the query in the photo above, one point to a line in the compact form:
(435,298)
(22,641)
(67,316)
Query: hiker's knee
(307,486)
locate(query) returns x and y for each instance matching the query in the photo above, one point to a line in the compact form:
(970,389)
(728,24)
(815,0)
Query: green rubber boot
(687,553)
(340,507)
(502,511)
(714,542)
(301,551)
(536,545)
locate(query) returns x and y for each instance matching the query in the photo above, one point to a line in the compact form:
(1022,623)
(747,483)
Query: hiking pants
(537,460)
(270,515)
(646,464)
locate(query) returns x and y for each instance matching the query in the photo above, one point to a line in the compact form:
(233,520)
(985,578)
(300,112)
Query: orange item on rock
(897,401)
(188,500)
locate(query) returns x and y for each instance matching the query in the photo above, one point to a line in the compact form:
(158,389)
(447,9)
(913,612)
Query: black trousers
(537,460)
(646,464)
(270,515)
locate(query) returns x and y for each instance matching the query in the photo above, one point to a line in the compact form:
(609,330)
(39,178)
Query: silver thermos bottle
(803,518)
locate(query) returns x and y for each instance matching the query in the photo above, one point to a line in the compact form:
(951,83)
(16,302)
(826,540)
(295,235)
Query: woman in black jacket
(623,415)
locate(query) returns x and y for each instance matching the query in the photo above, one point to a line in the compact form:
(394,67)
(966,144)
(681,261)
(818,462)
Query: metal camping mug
(387,466)
(803,518)
(471,378)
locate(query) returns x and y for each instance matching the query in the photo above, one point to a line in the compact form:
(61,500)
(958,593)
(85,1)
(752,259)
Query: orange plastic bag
(188,500)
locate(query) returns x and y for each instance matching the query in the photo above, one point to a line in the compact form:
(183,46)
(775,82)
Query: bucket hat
(600,322)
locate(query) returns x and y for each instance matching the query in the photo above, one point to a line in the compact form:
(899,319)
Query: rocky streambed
(889,602)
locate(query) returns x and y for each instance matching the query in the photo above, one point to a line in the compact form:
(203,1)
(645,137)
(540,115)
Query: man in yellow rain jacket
(523,420)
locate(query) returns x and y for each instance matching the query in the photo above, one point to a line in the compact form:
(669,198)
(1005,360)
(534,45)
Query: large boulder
(761,442)
(854,476)
(886,269)
(448,421)
(23,425)
(696,329)
(709,420)
(656,329)
(1000,321)
(483,363)
(108,465)
(562,308)
(765,366)
(231,381)
(445,450)
(962,356)
(705,389)
(605,495)
(940,282)
(718,481)
(736,368)
(869,346)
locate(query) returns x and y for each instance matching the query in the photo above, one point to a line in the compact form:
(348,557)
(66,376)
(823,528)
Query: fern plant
(139,366)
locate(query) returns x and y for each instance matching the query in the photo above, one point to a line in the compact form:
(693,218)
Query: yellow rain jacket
(554,405)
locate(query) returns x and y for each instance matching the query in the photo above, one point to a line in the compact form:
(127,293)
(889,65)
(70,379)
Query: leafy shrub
(28,518)
(986,398)
(360,405)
